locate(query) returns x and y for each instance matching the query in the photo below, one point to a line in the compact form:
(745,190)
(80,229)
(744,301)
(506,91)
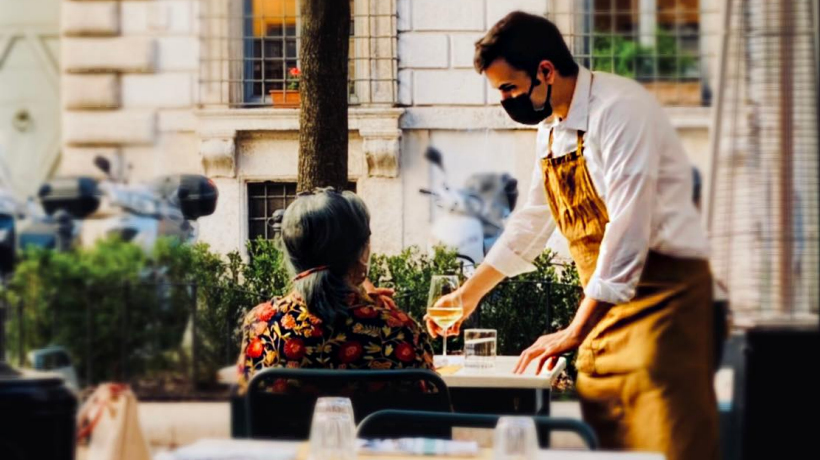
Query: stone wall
(130,89)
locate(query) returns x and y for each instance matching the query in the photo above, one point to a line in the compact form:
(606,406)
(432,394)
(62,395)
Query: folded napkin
(419,446)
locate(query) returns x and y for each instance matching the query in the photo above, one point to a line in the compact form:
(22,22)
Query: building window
(271,49)
(250,53)
(264,198)
(656,42)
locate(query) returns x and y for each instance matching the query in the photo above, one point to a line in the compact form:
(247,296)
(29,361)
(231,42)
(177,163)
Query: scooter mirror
(434,156)
(103,164)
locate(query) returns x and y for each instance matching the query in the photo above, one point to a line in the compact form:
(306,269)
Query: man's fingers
(524,360)
(432,328)
(455,329)
(547,359)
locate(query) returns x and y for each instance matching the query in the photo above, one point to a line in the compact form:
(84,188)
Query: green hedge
(125,315)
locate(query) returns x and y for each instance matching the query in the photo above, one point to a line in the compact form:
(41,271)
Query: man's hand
(547,349)
(446,300)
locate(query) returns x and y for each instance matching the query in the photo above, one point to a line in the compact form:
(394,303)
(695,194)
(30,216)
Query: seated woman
(328,320)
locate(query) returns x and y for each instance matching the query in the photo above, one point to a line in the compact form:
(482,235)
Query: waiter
(611,175)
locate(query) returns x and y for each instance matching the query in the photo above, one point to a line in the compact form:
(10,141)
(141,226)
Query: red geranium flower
(265,311)
(404,352)
(350,351)
(295,348)
(295,72)
(255,348)
(365,312)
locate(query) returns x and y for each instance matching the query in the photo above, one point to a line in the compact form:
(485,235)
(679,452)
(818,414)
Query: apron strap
(549,147)
(580,143)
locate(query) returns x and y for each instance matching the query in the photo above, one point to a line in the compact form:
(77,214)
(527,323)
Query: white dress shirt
(639,169)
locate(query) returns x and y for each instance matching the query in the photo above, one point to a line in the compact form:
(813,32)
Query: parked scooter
(165,207)
(473,216)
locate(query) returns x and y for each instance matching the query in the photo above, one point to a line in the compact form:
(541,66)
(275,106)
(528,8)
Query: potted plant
(289,96)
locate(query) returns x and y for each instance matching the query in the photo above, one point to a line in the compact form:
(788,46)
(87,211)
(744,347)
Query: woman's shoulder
(382,309)
(266,311)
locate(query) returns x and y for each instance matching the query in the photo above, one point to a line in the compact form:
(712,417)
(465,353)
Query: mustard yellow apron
(645,371)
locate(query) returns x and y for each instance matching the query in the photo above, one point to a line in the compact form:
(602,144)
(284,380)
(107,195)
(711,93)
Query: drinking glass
(444,315)
(333,430)
(515,438)
(479,349)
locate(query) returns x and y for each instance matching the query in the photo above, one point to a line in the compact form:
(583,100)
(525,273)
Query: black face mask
(520,108)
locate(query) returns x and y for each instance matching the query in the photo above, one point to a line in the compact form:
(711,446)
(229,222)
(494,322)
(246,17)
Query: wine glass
(444,315)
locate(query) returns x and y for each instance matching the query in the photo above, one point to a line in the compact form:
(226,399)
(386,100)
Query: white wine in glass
(444,315)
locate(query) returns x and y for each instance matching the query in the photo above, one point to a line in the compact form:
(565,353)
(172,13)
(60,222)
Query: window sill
(218,128)
(283,119)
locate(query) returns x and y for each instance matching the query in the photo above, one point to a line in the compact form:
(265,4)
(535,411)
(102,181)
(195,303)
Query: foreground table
(286,450)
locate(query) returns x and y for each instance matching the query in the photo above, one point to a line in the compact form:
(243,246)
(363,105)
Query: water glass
(515,438)
(479,349)
(333,430)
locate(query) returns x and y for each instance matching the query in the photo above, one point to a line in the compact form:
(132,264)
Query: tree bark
(323,89)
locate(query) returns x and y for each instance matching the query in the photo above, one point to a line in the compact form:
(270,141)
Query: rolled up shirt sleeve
(630,148)
(526,233)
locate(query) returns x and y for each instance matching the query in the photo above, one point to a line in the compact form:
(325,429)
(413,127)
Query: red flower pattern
(265,311)
(350,351)
(255,348)
(404,352)
(365,312)
(288,322)
(295,348)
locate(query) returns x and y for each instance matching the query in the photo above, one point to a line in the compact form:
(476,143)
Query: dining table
(498,390)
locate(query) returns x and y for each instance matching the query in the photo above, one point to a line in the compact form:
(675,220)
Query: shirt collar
(578,116)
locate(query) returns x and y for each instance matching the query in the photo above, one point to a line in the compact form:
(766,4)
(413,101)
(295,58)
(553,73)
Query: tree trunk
(323,89)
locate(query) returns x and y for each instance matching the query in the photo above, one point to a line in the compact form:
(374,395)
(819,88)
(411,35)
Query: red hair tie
(307,273)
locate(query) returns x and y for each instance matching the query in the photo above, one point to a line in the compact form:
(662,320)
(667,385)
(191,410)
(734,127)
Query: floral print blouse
(374,335)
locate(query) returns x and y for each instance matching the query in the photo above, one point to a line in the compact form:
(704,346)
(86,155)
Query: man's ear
(547,70)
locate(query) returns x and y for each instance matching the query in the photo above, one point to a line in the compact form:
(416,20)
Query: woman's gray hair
(325,228)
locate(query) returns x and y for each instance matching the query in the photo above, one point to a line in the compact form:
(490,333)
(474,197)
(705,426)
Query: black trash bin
(37,417)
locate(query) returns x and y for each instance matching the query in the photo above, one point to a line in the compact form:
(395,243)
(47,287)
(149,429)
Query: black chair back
(402,422)
(280,401)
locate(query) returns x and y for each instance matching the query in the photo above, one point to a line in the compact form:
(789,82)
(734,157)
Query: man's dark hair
(524,40)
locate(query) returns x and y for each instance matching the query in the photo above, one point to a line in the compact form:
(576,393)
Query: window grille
(264,198)
(667,45)
(250,48)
